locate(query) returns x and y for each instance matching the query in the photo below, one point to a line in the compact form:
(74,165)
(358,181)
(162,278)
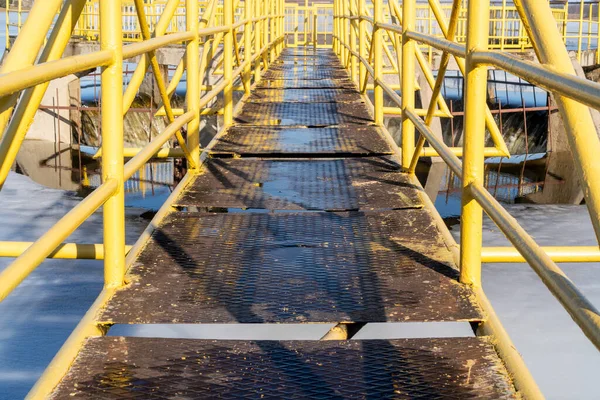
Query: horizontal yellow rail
(69,251)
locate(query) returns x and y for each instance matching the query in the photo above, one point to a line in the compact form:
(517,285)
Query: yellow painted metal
(248,15)
(228,60)
(376,45)
(408,80)
(581,310)
(474,139)
(31,99)
(362,45)
(142,68)
(26,48)
(16,272)
(582,134)
(558,254)
(111,39)
(154,146)
(192,83)
(70,251)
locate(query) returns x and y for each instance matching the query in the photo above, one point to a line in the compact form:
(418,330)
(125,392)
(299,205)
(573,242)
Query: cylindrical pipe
(193,81)
(65,251)
(409,15)
(362,44)
(228,61)
(474,143)
(111,39)
(582,134)
(558,254)
(248,15)
(378,61)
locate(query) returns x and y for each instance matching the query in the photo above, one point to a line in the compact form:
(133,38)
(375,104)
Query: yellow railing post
(193,80)
(248,44)
(228,62)
(362,44)
(408,80)
(353,59)
(474,142)
(271,13)
(335,26)
(111,38)
(315,29)
(377,43)
(257,39)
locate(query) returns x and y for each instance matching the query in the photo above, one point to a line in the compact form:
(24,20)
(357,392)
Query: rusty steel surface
(120,367)
(305,96)
(343,83)
(295,142)
(305,73)
(304,114)
(367,183)
(294,268)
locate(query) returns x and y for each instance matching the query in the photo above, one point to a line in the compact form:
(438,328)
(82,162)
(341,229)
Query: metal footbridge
(302,210)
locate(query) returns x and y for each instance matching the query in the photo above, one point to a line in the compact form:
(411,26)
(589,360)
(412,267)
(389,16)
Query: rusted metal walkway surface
(301,215)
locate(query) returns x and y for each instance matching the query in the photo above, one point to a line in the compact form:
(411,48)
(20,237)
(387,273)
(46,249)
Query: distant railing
(240,42)
(578,22)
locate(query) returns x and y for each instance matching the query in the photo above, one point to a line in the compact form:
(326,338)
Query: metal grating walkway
(300,216)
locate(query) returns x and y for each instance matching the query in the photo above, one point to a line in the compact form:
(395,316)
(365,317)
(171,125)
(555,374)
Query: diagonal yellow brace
(139,5)
(140,71)
(490,123)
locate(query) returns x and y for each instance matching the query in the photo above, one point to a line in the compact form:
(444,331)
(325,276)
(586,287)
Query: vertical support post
(475,102)
(282,25)
(272,29)
(257,40)
(335,28)
(228,62)
(409,15)
(378,61)
(111,39)
(362,44)
(193,80)
(315,27)
(344,25)
(353,59)
(248,43)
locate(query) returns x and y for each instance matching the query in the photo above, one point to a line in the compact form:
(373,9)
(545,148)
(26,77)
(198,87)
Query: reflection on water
(57,167)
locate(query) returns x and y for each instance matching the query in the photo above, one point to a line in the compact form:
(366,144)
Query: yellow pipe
(491,125)
(27,47)
(193,85)
(142,68)
(154,146)
(474,141)
(408,80)
(30,100)
(247,76)
(160,80)
(228,62)
(458,151)
(558,254)
(67,251)
(137,49)
(362,45)
(257,40)
(111,39)
(35,254)
(378,65)
(582,134)
(581,310)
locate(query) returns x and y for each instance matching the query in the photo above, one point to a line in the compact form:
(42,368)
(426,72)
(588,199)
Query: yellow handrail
(555,74)
(179,24)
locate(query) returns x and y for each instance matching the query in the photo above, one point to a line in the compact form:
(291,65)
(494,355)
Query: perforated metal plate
(333,185)
(278,66)
(306,51)
(339,83)
(294,268)
(306,61)
(304,114)
(142,368)
(301,142)
(305,96)
(302,73)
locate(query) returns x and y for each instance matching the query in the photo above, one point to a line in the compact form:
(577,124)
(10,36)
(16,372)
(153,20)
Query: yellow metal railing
(359,40)
(578,22)
(241,39)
